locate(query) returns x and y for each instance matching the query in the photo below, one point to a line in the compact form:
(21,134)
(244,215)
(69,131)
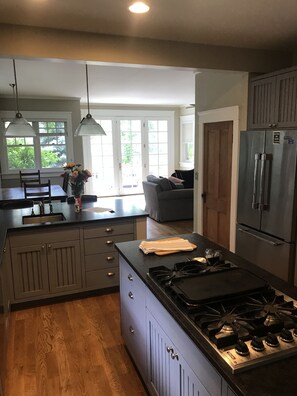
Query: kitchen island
(70,255)
(152,322)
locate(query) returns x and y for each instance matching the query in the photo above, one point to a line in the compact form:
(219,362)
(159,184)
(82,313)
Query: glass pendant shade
(19,126)
(88,126)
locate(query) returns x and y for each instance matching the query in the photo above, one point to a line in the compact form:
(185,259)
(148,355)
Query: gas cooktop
(242,317)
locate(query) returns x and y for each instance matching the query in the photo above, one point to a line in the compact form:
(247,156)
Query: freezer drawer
(269,253)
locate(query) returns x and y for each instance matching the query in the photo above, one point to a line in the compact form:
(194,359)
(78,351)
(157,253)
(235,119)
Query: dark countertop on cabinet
(11,219)
(273,379)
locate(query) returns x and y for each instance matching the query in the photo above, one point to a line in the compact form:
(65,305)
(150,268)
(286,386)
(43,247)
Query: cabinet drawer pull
(42,246)
(132,331)
(109,258)
(130,277)
(169,349)
(108,230)
(109,243)
(131,295)
(110,274)
(49,246)
(174,355)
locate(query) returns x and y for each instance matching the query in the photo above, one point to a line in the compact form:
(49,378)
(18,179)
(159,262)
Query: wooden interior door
(217,181)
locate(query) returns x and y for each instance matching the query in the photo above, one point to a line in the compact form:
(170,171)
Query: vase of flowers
(77,179)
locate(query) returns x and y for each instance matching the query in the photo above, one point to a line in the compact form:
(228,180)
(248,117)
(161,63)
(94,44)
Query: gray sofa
(165,202)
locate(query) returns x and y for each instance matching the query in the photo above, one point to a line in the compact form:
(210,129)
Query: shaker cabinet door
(261,103)
(29,271)
(64,266)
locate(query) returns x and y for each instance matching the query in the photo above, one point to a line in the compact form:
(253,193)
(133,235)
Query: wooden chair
(84,198)
(66,182)
(30,177)
(17,204)
(38,191)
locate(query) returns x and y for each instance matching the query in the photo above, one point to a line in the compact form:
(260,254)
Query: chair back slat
(38,191)
(30,177)
(84,198)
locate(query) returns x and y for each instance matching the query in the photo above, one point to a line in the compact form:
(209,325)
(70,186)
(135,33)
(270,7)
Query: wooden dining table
(16,193)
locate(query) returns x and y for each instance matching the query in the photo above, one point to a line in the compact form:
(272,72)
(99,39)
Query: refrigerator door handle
(273,243)
(262,204)
(255,204)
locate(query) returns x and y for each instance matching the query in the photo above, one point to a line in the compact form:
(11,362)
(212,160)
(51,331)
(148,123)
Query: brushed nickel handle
(169,349)
(109,258)
(132,331)
(131,295)
(109,243)
(108,230)
(174,355)
(49,246)
(110,274)
(42,246)
(130,277)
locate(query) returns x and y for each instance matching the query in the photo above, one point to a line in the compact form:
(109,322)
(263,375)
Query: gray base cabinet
(133,326)
(101,256)
(49,267)
(168,361)
(168,372)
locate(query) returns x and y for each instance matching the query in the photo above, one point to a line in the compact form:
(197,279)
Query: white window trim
(37,116)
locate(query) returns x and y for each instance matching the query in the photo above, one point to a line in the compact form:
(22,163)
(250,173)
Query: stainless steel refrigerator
(266,212)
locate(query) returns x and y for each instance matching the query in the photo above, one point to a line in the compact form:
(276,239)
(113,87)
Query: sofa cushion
(187,176)
(163,182)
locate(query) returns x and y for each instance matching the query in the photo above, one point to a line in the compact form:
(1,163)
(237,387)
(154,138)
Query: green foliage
(21,158)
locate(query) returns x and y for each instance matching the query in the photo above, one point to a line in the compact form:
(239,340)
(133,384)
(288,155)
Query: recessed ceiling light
(139,7)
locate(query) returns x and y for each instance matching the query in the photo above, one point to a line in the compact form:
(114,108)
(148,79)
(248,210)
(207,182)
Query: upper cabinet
(273,100)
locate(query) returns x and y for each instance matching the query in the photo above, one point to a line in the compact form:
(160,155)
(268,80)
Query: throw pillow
(163,182)
(175,180)
(187,176)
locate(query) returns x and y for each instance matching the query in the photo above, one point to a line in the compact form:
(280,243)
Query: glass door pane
(102,162)
(158,147)
(131,157)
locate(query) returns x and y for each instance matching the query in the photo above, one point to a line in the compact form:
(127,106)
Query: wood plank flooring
(75,348)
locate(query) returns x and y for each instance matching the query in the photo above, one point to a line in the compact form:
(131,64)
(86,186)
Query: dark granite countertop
(11,219)
(273,379)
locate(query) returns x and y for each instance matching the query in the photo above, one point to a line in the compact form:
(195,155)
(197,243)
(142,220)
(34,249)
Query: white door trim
(203,117)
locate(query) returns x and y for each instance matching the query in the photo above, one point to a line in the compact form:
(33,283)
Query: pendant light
(88,126)
(19,126)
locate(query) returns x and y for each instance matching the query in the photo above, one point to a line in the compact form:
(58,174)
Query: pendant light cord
(87,79)
(16,87)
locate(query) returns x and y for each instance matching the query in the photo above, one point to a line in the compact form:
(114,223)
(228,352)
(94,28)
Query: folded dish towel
(166,245)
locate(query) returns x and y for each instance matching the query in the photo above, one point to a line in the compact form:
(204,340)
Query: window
(49,150)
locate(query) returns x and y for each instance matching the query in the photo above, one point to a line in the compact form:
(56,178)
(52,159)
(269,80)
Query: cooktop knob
(241,348)
(271,340)
(286,335)
(257,344)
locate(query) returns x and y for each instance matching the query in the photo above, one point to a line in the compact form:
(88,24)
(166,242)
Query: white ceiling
(107,84)
(238,23)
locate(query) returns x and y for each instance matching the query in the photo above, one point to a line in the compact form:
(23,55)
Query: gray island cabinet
(44,263)
(77,255)
(168,361)
(172,356)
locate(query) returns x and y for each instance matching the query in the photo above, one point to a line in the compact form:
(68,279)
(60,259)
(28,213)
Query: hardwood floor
(156,230)
(75,348)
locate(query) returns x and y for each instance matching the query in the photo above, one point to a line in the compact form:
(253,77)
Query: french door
(132,148)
